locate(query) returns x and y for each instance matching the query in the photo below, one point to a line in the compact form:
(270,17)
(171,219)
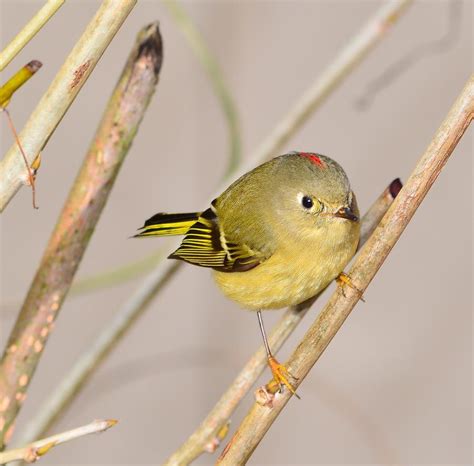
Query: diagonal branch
(317,338)
(61,93)
(39,448)
(77,221)
(370,34)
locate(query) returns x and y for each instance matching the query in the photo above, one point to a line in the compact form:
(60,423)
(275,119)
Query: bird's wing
(205,245)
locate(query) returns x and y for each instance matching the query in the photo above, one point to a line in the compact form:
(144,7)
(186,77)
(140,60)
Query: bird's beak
(346,212)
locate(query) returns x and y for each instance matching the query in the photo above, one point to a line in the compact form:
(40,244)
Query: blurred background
(395,385)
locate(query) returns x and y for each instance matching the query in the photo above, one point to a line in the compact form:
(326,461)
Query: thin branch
(23,75)
(139,300)
(35,450)
(29,170)
(108,278)
(317,338)
(206,437)
(116,276)
(215,75)
(77,221)
(416,53)
(29,31)
(61,93)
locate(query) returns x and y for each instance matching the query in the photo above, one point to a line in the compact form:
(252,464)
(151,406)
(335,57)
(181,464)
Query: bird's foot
(344,279)
(281,377)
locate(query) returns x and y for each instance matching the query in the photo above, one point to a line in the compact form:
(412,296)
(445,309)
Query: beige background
(395,385)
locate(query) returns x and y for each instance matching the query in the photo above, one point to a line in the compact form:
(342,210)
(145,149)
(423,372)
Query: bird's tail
(168,224)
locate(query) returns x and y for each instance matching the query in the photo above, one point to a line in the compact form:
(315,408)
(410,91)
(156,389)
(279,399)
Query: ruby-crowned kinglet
(276,237)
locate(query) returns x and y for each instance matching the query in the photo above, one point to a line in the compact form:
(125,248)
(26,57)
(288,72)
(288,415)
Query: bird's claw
(281,377)
(344,279)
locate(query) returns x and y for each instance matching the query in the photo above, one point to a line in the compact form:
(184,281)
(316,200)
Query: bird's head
(312,190)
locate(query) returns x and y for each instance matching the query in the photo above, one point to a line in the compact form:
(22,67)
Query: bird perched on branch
(275,238)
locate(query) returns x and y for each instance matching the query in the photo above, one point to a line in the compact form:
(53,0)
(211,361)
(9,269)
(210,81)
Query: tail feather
(168,224)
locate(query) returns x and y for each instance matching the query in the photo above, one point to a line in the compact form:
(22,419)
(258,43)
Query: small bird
(276,237)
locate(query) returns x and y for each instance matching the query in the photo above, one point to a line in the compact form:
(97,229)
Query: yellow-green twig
(17,80)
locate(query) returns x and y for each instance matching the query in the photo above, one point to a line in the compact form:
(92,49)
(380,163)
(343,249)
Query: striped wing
(205,245)
(168,224)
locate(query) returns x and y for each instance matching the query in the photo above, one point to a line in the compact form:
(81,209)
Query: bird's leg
(279,371)
(344,279)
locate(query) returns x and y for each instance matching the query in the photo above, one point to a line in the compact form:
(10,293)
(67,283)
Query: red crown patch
(314,158)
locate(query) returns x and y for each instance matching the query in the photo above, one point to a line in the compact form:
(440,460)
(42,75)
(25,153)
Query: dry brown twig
(364,40)
(61,93)
(35,450)
(74,228)
(268,406)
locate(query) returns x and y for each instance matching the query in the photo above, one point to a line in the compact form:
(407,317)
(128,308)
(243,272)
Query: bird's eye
(307,202)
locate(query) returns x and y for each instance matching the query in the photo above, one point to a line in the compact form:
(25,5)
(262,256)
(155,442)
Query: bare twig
(214,73)
(262,415)
(36,450)
(416,53)
(17,80)
(61,93)
(29,31)
(138,301)
(205,438)
(78,219)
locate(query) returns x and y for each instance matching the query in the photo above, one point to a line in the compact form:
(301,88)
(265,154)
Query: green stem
(214,73)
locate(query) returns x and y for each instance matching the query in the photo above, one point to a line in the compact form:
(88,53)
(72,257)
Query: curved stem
(215,75)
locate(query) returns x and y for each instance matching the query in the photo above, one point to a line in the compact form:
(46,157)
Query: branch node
(264,397)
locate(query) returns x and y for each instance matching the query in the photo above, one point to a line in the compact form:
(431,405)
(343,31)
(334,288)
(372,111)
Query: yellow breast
(298,270)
